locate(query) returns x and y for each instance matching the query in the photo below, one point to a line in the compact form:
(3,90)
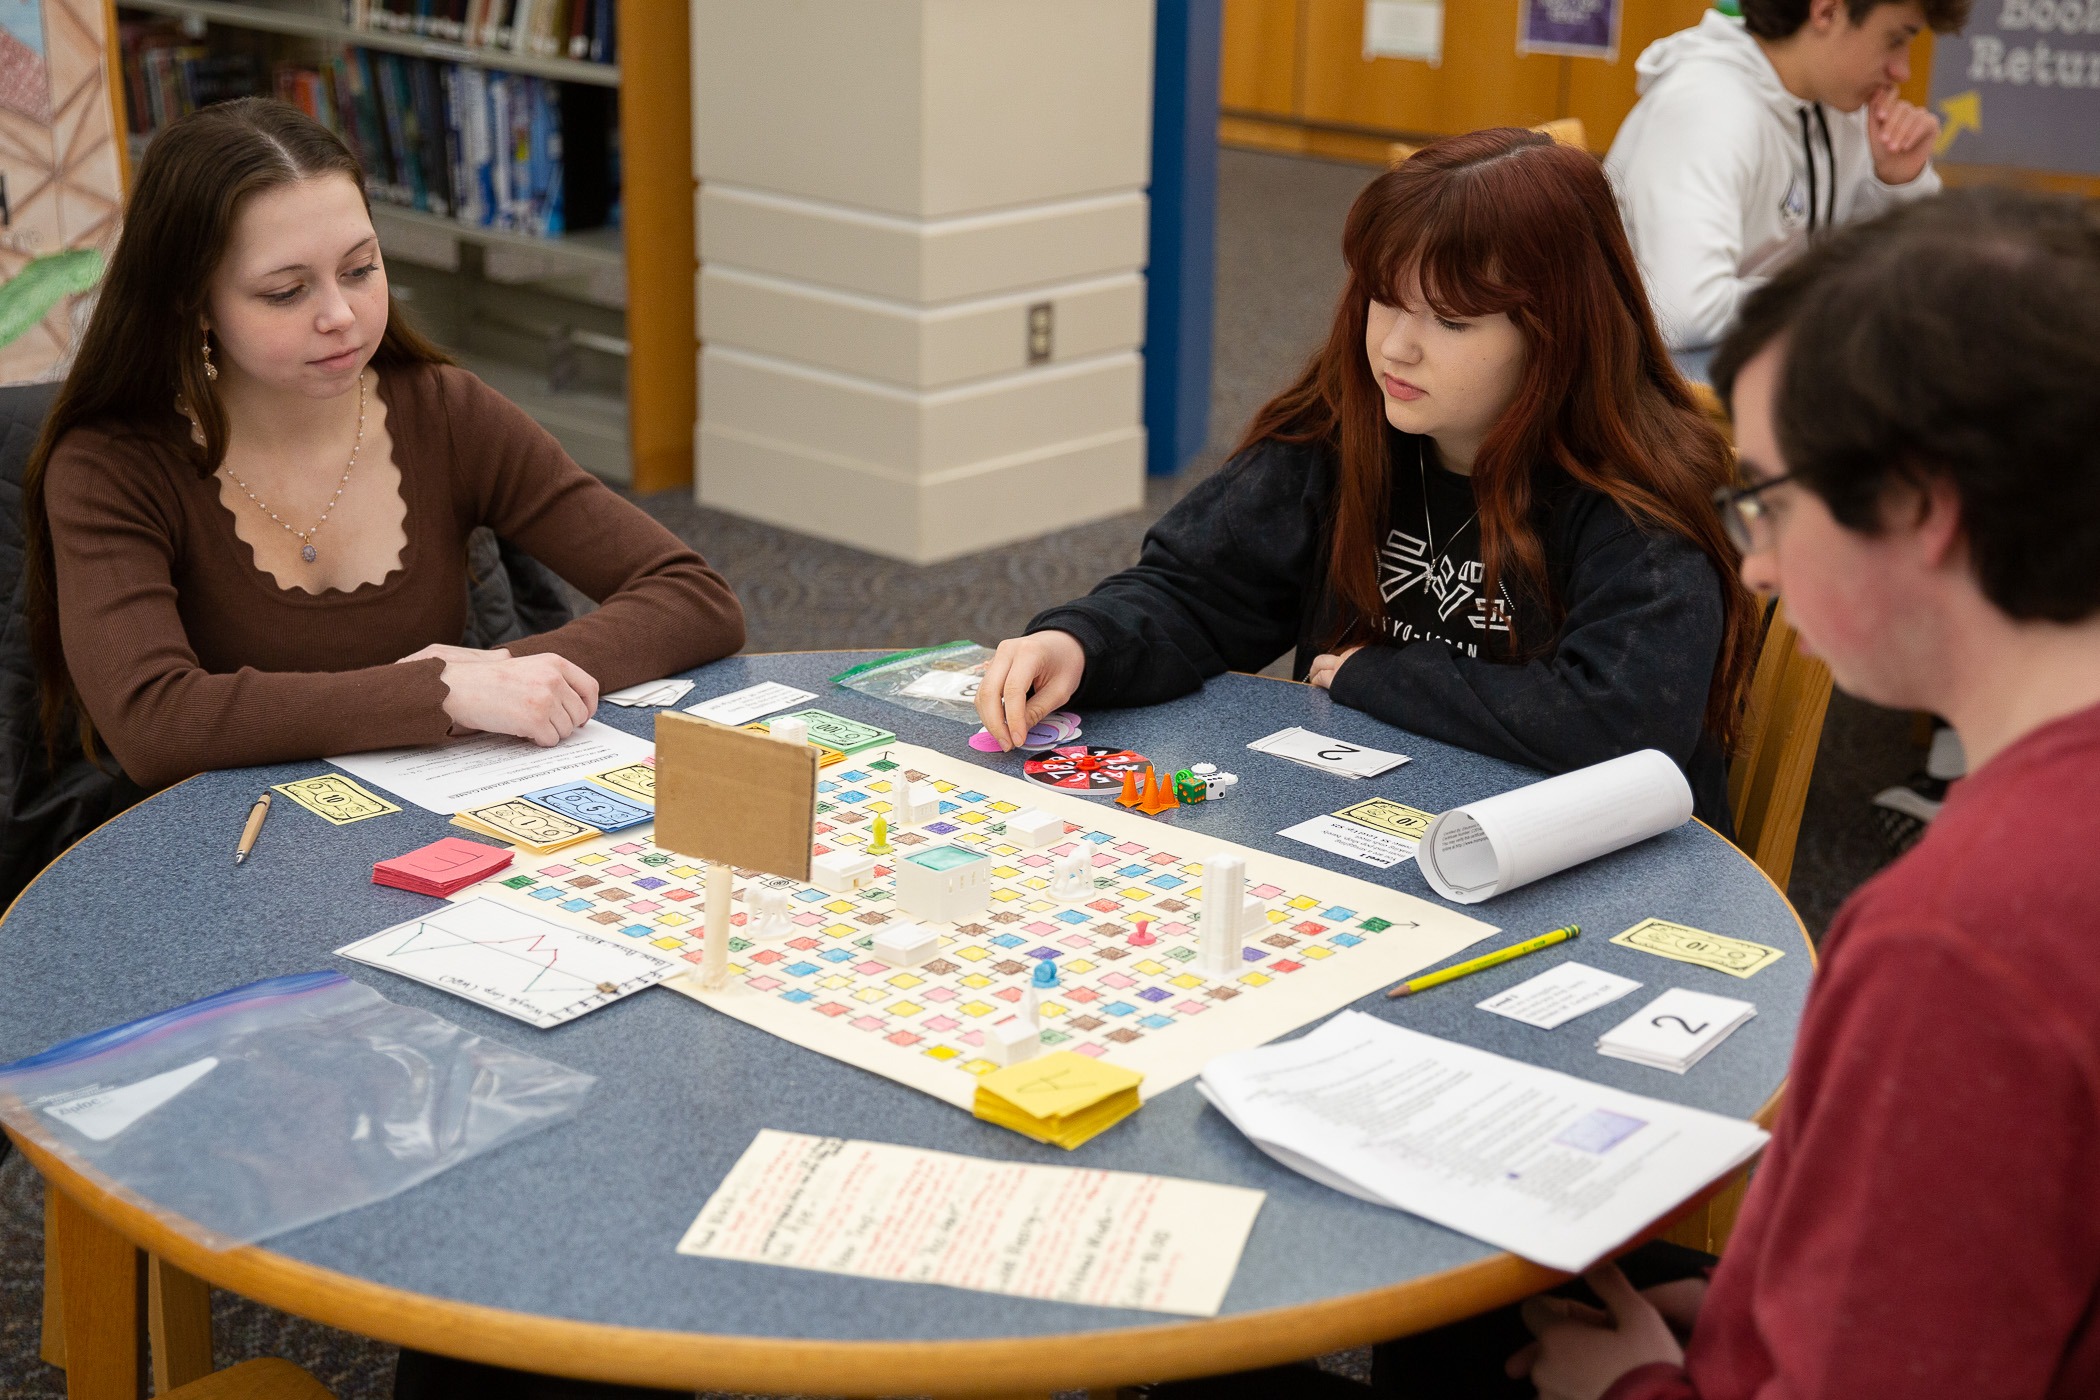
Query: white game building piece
(915,804)
(1034,828)
(1068,878)
(1012,1041)
(842,872)
(789,729)
(905,944)
(768,917)
(946,884)
(1220,936)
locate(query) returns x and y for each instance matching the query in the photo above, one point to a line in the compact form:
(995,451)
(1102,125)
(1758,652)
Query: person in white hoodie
(1754,135)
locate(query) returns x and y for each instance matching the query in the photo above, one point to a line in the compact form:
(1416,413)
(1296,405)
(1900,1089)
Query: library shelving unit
(591,332)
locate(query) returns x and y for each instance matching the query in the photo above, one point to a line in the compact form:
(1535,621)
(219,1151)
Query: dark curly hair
(1956,338)
(1775,19)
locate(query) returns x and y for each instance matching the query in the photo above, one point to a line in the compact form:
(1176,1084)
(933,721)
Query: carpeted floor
(1279,270)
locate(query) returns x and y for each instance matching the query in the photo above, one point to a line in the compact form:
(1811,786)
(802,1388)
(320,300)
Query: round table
(556,1253)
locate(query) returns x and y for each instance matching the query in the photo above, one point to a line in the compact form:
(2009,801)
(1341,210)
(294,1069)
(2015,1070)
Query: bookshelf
(591,332)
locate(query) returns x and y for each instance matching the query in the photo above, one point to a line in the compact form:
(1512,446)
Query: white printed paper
(1328,755)
(1404,29)
(1559,994)
(1676,1030)
(468,772)
(542,973)
(102,1113)
(911,1215)
(1555,1168)
(750,703)
(1346,838)
(649,693)
(1492,846)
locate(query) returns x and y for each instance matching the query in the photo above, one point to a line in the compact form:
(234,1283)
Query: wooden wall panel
(1482,81)
(1601,93)
(1258,71)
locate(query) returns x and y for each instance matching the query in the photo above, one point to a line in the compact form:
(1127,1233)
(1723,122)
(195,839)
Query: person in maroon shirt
(1917,405)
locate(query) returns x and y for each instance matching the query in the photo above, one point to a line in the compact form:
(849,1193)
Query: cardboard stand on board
(732,797)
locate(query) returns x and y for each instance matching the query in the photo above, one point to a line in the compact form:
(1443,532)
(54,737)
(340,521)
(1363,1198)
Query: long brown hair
(1509,221)
(142,352)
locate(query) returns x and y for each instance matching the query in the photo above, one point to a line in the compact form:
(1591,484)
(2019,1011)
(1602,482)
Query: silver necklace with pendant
(1429,526)
(305,537)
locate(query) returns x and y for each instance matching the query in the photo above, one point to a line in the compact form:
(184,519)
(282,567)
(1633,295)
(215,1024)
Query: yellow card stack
(526,825)
(826,754)
(1063,1098)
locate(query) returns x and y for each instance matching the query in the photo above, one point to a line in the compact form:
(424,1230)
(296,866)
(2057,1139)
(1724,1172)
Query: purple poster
(1584,28)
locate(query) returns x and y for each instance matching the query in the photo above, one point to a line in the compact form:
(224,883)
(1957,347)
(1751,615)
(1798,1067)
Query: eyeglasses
(1743,515)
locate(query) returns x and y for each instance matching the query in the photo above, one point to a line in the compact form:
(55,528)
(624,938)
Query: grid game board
(1330,938)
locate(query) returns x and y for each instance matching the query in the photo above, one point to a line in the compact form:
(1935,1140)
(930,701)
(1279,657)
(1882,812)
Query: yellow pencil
(252,829)
(1452,974)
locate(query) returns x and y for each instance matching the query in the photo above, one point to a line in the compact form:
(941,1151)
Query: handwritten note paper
(874,1210)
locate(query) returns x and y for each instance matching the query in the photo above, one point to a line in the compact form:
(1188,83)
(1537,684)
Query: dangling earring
(211,371)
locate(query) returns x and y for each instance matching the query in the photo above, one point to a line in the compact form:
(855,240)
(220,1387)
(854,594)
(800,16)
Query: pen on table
(249,832)
(1517,950)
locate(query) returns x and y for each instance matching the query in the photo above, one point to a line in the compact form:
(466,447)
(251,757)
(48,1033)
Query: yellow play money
(636,780)
(1383,814)
(1683,943)
(336,799)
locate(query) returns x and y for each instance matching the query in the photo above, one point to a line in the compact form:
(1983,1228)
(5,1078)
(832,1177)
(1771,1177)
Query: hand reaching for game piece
(1901,137)
(544,698)
(1027,678)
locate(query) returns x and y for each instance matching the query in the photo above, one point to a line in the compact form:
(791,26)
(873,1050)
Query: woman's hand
(1026,679)
(1581,1352)
(544,698)
(440,650)
(1325,665)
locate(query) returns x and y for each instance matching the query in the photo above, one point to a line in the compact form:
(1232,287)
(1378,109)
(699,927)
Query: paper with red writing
(1066,1234)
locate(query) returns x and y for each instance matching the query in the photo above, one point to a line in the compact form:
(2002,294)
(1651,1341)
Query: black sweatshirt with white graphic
(1235,575)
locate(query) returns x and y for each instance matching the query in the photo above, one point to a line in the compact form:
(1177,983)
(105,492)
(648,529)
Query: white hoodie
(1722,175)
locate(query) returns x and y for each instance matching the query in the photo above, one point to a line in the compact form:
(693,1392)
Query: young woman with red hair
(1482,513)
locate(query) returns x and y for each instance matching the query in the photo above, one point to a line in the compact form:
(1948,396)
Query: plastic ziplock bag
(280,1103)
(938,680)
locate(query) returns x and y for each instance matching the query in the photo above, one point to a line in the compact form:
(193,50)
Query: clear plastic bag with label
(274,1105)
(938,680)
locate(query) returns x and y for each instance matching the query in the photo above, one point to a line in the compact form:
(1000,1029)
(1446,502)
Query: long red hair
(1510,221)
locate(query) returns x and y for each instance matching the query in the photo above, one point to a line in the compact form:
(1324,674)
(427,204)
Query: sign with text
(1582,28)
(2021,86)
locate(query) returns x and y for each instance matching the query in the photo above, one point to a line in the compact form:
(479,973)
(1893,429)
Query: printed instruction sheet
(1065,1234)
(470,772)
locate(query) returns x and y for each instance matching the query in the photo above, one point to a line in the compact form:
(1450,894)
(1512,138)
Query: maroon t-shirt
(1926,1221)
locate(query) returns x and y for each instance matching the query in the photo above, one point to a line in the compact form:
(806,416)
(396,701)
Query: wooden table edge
(643,1356)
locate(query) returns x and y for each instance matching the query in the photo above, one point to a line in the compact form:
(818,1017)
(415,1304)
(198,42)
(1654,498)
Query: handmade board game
(1329,940)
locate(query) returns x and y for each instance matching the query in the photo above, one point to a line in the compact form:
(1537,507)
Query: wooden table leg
(53,1349)
(102,1283)
(178,1325)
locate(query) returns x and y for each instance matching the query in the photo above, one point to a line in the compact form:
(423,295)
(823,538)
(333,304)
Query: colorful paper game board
(1330,938)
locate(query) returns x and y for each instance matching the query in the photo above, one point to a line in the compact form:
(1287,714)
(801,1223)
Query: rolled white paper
(1489,847)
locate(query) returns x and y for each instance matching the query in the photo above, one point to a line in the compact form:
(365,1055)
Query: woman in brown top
(247,518)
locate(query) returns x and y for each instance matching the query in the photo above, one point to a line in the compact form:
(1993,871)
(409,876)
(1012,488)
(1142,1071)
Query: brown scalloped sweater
(187,657)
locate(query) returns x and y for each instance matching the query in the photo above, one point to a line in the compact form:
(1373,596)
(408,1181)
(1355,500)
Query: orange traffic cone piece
(1131,795)
(1160,797)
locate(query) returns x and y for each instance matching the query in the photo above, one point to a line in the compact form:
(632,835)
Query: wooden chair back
(1566,130)
(1782,724)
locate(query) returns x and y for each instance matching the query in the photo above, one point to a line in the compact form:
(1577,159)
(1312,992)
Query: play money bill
(1683,943)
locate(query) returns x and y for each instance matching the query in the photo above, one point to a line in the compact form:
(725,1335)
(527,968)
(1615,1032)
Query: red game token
(1083,769)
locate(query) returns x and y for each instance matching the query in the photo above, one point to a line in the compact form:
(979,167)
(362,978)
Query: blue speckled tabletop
(580,1221)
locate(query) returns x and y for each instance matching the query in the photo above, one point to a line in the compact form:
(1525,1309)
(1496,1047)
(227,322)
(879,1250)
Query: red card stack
(441,867)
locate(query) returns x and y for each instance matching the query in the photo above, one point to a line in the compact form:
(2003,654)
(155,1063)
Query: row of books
(493,149)
(581,29)
(488,148)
